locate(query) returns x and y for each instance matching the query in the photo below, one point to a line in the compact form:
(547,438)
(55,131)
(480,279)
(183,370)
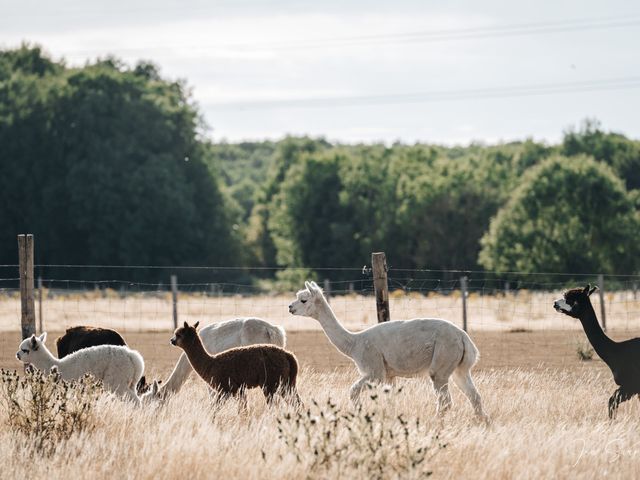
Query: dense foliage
(569,215)
(108,164)
(103,164)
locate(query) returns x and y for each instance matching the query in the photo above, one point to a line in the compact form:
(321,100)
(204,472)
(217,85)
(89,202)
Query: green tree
(614,149)
(444,208)
(570,215)
(110,162)
(289,152)
(310,224)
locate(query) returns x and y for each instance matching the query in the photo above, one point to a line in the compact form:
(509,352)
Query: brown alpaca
(231,372)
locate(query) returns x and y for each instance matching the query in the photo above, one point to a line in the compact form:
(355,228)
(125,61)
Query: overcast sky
(438,72)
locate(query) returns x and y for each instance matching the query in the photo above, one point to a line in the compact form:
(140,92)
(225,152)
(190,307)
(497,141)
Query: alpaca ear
(593,289)
(586,289)
(308,286)
(43,337)
(34,342)
(195,325)
(186,325)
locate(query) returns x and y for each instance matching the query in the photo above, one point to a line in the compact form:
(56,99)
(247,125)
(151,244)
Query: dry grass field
(545,424)
(548,408)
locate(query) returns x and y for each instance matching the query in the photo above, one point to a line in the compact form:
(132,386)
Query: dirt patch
(536,349)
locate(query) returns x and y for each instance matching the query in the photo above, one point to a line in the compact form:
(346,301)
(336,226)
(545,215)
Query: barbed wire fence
(505,311)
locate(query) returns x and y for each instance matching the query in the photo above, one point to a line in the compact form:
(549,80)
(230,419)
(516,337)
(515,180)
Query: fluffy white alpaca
(399,349)
(216,338)
(118,367)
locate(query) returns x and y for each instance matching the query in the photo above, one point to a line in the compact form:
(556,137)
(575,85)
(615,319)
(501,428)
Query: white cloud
(255,51)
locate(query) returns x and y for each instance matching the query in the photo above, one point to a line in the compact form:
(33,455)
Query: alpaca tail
(470,354)
(277,335)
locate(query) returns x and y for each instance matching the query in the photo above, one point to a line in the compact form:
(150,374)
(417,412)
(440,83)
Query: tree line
(109,164)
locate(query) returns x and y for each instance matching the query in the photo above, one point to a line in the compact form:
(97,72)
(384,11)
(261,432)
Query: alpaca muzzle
(561,306)
(172,341)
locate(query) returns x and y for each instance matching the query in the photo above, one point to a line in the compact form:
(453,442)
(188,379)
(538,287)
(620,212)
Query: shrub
(584,351)
(46,408)
(364,442)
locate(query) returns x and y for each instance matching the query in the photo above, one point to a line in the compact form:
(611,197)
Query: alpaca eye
(303,301)
(25,351)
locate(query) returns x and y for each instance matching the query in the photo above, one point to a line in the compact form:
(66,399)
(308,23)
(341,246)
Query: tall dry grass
(545,424)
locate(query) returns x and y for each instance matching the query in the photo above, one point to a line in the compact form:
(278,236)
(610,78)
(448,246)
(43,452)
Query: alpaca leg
(178,376)
(443,363)
(242,401)
(131,395)
(373,365)
(441,387)
(465,383)
(290,395)
(126,392)
(356,388)
(217,395)
(269,394)
(619,396)
(295,399)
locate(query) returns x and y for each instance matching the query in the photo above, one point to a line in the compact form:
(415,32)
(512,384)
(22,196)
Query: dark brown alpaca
(231,372)
(82,336)
(623,358)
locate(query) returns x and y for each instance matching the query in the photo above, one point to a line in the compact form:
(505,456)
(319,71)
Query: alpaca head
(307,301)
(30,348)
(184,335)
(574,301)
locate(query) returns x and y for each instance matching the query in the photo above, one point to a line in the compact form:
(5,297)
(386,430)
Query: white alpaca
(216,338)
(399,349)
(118,367)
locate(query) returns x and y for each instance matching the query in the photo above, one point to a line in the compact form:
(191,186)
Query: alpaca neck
(45,360)
(198,357)
(598,339)
(342,338)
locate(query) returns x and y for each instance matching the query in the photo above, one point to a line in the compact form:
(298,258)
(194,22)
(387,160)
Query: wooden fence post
(40,321)
(379,266)
(174,295)
(603,315)
(463,293)
(25,254)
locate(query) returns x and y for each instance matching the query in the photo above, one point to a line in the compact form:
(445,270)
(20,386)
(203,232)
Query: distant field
(137,312)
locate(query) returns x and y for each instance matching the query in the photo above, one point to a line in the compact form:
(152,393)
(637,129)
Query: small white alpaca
(399,349)
(118,367)
(216,338)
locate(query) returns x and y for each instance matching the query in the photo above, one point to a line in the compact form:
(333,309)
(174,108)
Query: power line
(422,36)
(456,34)
(437,96)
